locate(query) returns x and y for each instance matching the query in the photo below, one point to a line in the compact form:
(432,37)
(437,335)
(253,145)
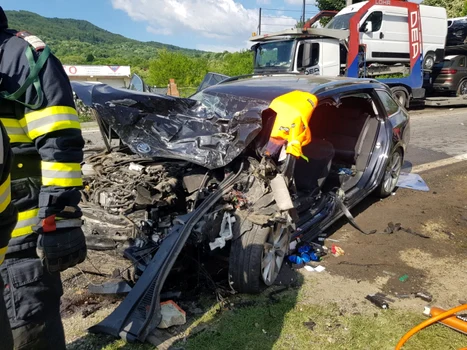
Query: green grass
(281,326)
(259,323)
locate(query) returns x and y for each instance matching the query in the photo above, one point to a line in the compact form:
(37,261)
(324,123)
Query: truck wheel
(391,175)
(462,88)
(401,95)
(429,61)
(257,255)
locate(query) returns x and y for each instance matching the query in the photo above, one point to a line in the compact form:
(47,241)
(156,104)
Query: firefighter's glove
(61,249)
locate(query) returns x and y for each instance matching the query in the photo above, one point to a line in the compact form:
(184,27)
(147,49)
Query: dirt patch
(402,263)
(81,309)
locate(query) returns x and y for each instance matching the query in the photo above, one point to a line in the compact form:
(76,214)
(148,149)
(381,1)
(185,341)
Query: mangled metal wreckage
(233,170)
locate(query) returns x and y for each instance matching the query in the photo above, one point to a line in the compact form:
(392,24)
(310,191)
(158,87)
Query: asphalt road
(437,135)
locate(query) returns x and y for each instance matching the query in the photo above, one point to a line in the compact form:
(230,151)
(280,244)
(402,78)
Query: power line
(277,25)
(281,10)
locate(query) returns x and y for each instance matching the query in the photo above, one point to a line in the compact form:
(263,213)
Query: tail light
(448,71)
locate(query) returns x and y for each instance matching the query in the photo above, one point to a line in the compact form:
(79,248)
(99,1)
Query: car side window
(389,104)
(462,62)
(376,19)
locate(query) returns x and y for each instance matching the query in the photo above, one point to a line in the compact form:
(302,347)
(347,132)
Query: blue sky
(213,25)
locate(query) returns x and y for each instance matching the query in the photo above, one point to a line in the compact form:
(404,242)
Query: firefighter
(38,112)
(8,218)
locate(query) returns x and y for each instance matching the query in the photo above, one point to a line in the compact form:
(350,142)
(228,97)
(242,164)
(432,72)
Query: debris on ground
(318,268)
(117,286)
(404,278)
(424,296)
(392,228)
(172,315)
(337,251)
(310,325)
(412,182)
(306,253)
(379,300)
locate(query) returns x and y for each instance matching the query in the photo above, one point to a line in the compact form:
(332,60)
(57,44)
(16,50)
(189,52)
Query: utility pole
(303,13)
(348,2)
(259,22)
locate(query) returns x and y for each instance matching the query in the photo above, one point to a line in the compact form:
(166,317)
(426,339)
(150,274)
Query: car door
(370,34)
(397,116)
(460,77)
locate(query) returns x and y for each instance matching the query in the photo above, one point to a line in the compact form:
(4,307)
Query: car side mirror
(367,27)
(306,55)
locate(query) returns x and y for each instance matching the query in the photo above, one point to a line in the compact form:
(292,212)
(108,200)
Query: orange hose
(429,322)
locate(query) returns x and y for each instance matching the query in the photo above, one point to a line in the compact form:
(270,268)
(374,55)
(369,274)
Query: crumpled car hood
(211,132)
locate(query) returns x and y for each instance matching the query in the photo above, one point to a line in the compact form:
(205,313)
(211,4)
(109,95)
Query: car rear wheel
(391,174)
(401,95)
(256,257)
(429,61)
(462,88)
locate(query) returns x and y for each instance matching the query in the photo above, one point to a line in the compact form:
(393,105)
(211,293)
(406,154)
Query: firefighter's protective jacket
(45,136)
(8,212)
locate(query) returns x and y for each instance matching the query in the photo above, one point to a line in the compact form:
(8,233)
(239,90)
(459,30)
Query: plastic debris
(404,278)
(318,268)
(412,181)
(118,286)
(307,253)
(225,233)
(337,251)
(424,296)
(172,315)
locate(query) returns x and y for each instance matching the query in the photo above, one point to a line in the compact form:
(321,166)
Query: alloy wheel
(274,252)
(393,170)
(463,88)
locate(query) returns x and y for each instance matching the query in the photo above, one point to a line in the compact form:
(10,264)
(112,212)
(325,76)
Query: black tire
(429,61)
(401,95)
(391,175)
(462,88)
(249,252)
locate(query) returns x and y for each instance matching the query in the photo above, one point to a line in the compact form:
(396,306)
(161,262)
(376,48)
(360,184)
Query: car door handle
(381,35)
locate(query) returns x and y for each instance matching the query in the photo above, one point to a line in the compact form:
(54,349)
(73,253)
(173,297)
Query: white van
(384,31)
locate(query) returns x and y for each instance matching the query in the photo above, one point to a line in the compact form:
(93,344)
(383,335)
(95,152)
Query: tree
(454,8)
(186,70)
(330,5)
(90,58)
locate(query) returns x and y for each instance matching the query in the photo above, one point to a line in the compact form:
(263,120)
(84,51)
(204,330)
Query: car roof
(268,87)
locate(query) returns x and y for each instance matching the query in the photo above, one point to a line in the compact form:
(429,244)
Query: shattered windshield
(341,21)
(274,55)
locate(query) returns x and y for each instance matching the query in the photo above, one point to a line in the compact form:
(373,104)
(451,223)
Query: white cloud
(227,22)
(222,48)
(300,2)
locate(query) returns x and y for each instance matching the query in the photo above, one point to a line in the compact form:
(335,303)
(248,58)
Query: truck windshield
(341,21)
(274,54)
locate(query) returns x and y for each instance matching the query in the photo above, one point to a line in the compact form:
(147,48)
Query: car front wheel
(257,255)
(391,174)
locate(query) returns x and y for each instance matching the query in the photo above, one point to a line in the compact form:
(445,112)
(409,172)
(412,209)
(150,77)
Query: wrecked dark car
(239,169)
